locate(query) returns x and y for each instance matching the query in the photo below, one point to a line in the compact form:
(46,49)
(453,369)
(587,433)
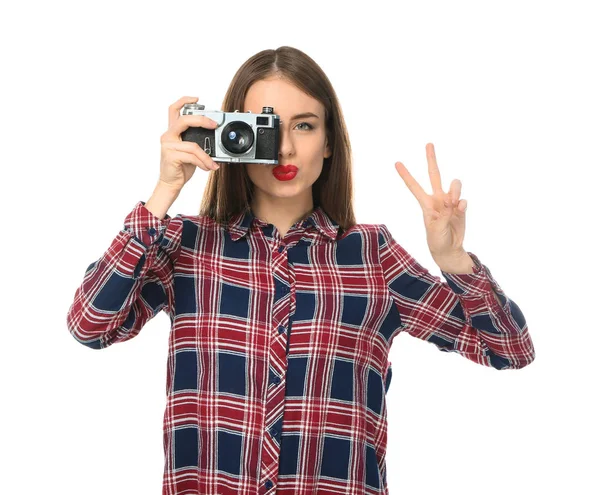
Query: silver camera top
(218,115)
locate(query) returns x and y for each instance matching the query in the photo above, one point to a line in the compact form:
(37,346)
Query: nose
(286,147)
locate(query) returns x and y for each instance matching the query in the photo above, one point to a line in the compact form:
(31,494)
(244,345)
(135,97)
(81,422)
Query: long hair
(229,190)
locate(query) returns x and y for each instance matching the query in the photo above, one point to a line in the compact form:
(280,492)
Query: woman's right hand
(178,158)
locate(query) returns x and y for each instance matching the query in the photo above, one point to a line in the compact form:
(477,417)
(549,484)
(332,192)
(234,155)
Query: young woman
(283,309)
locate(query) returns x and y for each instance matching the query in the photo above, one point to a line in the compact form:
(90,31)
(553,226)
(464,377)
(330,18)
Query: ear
(328,152)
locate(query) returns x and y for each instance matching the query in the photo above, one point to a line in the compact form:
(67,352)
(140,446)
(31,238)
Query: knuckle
(166,138)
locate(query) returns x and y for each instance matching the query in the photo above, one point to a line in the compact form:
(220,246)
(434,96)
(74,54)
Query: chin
(283,189)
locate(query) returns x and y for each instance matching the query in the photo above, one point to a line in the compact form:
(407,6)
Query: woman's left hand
(444,213)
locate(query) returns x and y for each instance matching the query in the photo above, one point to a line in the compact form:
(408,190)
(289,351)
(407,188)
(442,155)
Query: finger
(195,150)
(413,186)
(186,121)
(434,172)
(175,108)
(455,189)
(188,159)
(461,206)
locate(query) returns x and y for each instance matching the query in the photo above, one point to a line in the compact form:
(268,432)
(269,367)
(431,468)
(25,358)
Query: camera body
(239,137)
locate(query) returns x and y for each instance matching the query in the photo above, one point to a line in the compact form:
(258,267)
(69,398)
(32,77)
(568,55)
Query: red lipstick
(285,172)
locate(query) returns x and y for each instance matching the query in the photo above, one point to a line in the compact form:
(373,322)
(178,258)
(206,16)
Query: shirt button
(281,248)
(275,379)
(268,484)
(151,231)
(274,432)
(281,329)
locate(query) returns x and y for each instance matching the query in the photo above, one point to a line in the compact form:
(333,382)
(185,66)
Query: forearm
(161,200)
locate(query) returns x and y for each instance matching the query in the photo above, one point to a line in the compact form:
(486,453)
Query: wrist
(460,263)
(166,190)
(161,200)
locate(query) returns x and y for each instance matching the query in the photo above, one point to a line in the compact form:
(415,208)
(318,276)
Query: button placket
(275,393)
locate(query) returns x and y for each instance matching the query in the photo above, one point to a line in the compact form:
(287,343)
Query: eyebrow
(304,115)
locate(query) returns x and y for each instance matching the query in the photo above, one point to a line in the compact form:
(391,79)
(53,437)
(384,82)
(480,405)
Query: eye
(306,123)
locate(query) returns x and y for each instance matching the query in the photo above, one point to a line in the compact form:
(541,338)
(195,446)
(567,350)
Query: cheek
(318,169)
(255,171)
(317,162)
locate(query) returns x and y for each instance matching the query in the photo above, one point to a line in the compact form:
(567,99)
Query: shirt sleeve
(130,283)
(460,315)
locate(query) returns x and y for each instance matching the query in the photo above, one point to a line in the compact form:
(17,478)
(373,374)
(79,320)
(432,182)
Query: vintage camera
(239,137)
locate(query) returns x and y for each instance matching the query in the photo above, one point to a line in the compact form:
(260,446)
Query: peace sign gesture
(444,213)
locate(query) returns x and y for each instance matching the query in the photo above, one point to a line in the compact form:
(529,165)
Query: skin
(283,203)
(443,212)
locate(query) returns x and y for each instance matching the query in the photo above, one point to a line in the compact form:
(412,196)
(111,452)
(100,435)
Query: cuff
(144,226)
(475,284)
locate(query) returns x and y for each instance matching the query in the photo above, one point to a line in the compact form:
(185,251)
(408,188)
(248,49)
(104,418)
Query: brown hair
(229,190)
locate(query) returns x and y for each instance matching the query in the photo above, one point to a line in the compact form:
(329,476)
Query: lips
(284,169)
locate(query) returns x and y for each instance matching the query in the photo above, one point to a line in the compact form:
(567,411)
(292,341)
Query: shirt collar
(240,223)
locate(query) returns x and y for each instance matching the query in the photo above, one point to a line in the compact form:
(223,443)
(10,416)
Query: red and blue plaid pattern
(278,351)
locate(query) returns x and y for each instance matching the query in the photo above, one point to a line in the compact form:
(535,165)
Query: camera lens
(237,137)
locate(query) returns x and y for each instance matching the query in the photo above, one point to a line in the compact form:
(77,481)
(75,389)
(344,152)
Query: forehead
(285,98)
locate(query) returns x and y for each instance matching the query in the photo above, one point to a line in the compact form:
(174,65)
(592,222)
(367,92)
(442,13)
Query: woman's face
(302,140)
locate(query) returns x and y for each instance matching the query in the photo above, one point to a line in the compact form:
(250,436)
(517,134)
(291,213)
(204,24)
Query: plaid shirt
(278,352)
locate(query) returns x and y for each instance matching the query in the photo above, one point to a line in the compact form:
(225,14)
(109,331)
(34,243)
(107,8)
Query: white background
(507,92)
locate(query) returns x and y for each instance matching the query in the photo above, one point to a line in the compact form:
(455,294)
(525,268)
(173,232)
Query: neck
(282,212)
